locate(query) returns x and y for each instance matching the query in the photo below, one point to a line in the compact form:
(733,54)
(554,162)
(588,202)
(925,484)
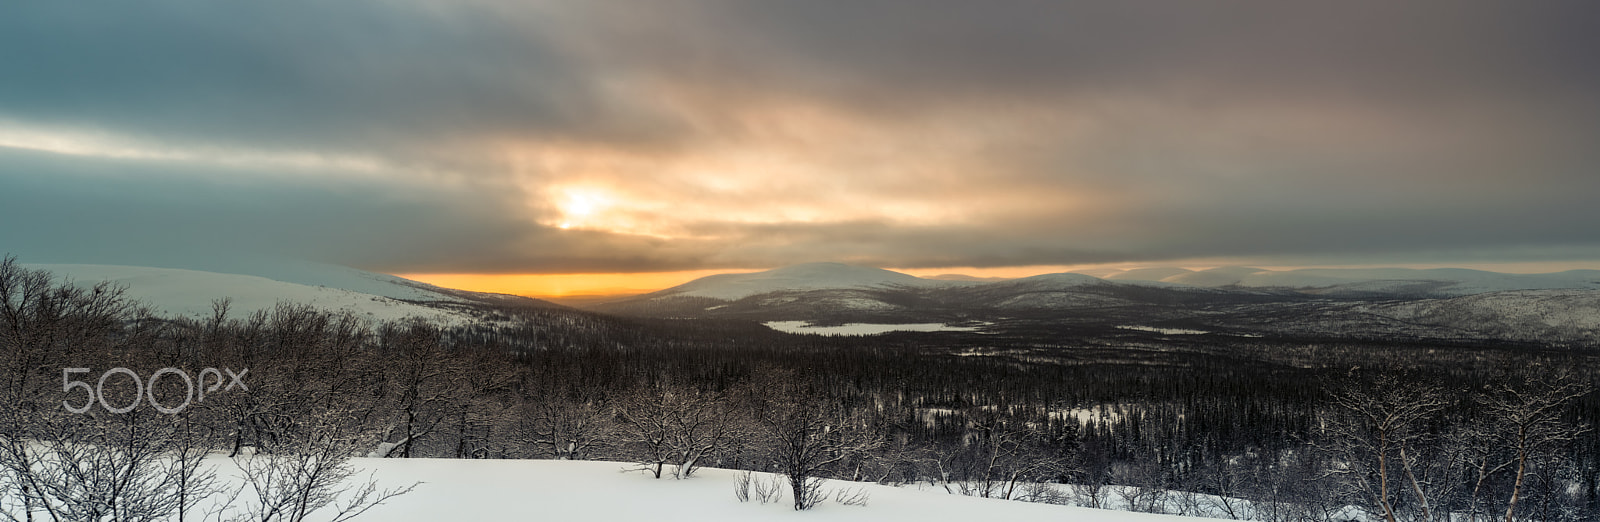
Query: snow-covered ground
(805,327)
(1447,281)
(189,293)
(464,489)
(1165,331)
(605,491)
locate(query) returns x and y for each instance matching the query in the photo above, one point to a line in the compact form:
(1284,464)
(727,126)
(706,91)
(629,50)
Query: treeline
(1201,432)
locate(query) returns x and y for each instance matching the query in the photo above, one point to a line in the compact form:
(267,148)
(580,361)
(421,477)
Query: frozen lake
(804,327)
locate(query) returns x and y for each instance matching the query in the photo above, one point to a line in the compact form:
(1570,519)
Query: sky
(552,147)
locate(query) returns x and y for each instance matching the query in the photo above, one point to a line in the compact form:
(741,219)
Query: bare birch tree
(1377,434)
(1531,428)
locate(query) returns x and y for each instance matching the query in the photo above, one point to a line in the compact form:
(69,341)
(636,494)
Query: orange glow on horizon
(565,285)
(558,286)
(621,284)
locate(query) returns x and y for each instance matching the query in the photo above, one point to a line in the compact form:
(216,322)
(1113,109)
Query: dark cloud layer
(898,133)
(389,78)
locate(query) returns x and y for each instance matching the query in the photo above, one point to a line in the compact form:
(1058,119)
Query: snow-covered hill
(1445,304)
(1150,274)
(1396,281)
(1563,316)
(190,293)
(1213,277)
(810,276)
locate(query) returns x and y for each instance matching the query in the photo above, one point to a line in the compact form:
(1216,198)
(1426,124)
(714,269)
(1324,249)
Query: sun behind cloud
(580,207)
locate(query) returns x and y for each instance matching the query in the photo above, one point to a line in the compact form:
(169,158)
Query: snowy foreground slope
(588,490)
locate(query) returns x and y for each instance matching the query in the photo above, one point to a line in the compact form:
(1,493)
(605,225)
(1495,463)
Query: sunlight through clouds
(582,207)
(107,146)
(595,137)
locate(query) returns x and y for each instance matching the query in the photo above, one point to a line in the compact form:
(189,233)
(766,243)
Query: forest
(1278,429)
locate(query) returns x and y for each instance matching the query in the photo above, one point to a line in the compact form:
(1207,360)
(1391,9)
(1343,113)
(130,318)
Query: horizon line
(609,285)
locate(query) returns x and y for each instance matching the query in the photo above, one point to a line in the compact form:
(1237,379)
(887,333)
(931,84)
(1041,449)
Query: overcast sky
(527,137)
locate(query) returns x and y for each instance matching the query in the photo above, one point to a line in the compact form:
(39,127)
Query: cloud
(424,136)
(393,79)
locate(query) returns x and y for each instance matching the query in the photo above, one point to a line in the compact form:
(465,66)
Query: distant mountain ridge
(809,276)
(1402,281)
(1395,304)
(1439,282)
(1240,302)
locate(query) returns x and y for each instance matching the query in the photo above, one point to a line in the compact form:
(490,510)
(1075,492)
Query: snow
(332,276)
(1180,331)
(1396,281)
(1444,281)
(189,293)
(1215,277)
(1449,281)
(804,327)
(928,416)
(606,491)
(466,489)
(810,276)
(1057,299)
(1165,331)
(853,300)
(861,303)
(1062,280)
(1568,315)
(1149,274)
(1103,414)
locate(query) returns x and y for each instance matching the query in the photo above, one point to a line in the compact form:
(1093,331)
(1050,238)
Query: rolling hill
(377,297)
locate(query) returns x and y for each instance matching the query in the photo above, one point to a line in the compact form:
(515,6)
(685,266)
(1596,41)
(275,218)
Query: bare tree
(1141,486)
(131,467)
(1531,426)
(1378,434)
(92,465)
(427,383)
(193,481)
(481,418)
(1226,483)
(1002,455)
(707,423)
(1484,460)
(310,475)
(644,418)
(807,434)
(566,427)
(59,463)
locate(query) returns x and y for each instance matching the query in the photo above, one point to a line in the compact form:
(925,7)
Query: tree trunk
(1422,499)
(1383,477)
(798,484)
(1516,489)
